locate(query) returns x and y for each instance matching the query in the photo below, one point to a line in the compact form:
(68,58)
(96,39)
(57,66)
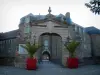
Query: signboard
(22,50)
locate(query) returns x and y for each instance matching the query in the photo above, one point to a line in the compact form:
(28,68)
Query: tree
(94,6)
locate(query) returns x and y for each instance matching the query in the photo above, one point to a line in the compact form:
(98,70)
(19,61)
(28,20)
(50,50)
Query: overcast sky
(12,10)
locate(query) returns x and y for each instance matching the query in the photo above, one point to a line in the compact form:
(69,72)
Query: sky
(12,10)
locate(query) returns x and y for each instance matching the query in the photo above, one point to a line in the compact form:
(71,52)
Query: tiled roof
(92,30)
(34,18)
(9,35)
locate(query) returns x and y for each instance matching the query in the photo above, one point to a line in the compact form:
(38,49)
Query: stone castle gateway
(52,32)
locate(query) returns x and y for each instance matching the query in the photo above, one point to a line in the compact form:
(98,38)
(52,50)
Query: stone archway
(51,43)
(45,55)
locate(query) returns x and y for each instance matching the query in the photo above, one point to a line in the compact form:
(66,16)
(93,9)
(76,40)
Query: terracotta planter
(72,62)
(31,64)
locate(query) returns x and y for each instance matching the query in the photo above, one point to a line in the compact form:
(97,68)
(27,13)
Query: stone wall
(7,61)
(96,44)
(20,61)
(84,50)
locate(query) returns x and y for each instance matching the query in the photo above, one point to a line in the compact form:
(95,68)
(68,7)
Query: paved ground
(48,68)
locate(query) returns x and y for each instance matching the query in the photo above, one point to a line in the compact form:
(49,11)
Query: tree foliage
(94,6)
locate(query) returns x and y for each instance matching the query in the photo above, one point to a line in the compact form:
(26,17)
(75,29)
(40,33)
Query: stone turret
(67,15)
(68,19)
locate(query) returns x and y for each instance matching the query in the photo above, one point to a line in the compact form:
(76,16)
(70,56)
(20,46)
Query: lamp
(68,39)
(34,37)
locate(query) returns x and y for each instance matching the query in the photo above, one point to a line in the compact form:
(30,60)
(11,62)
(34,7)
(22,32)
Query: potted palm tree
(31,62)
(72,61)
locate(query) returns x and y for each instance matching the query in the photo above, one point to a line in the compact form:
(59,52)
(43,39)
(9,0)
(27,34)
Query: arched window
(46,43)
(76,28)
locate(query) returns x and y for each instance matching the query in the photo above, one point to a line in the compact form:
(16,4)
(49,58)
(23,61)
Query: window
(9,41)
(85,47)
(27,29)
(46,44)
(81,30)
(27,19)
(0,42)
(1,47)
(75,28)
(3,42)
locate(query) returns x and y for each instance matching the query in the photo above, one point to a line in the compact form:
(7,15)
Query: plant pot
(31,64)
(72,62)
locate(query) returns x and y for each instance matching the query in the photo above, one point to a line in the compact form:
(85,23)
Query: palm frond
(31,48)
(71,47)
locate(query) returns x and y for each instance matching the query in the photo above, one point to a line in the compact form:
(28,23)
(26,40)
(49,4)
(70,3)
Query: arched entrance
(45,55)
(51,46)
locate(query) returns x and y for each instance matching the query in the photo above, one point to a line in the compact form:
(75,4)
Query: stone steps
(20,61)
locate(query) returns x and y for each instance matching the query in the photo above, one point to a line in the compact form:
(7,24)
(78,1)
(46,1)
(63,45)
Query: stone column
(37,54)
(65,53)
